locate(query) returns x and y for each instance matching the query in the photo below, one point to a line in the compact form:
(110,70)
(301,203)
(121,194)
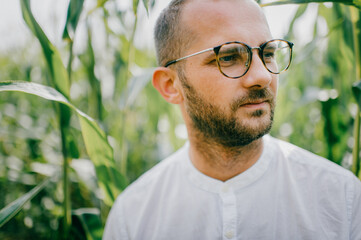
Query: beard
(215,125)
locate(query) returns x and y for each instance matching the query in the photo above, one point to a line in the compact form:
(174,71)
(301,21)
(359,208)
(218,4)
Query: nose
(257,76)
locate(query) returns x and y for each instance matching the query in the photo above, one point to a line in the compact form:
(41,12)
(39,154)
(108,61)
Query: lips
(255,99)
(256,103)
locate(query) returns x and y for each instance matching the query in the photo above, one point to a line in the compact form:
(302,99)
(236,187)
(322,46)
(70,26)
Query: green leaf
(100,3)
(135,6)
(13,208)
(74,10)
(100,152)
(59,75)
(95,97)
(356,3)
(300,11)
(71,145)
(89,220)
(146,5)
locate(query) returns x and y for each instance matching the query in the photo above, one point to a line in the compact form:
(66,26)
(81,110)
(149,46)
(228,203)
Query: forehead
(213,22)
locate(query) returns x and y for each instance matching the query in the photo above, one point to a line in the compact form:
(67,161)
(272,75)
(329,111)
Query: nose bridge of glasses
(259,51)
(259,48)
(251,53)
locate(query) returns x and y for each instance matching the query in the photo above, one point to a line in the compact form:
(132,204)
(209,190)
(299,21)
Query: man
(220,65)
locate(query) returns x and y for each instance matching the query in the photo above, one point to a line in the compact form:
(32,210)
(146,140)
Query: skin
(220,21)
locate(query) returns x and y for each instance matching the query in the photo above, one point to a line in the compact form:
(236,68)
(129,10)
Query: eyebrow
(233,49)
(228,50)
(270,46)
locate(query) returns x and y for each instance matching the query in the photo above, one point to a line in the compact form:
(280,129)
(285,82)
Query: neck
(220,162)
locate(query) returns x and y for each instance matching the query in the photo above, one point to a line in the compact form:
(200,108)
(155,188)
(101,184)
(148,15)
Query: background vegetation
(76,164)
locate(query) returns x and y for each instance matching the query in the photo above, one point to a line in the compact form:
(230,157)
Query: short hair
(170,37)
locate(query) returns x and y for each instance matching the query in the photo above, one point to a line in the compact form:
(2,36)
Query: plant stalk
(70,60)
(356,148)
(124,149)
(64,124)
(66,187)
(355,15)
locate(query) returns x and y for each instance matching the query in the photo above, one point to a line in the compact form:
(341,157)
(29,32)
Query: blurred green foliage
(110,81)
(316,107)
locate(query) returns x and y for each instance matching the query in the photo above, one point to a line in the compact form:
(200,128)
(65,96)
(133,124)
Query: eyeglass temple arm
(191,55)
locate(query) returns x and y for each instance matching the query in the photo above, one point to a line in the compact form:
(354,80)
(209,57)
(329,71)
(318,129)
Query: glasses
(234,58)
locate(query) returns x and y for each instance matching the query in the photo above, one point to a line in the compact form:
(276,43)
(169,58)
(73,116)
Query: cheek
(219,91)
(274,85)
(208,82)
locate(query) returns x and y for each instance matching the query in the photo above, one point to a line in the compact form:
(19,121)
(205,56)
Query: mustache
(254,95)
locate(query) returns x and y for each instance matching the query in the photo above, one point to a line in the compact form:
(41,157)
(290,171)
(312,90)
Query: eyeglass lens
(234,58)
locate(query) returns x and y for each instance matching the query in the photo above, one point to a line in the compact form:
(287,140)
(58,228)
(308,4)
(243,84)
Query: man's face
(227,129)
(232,112)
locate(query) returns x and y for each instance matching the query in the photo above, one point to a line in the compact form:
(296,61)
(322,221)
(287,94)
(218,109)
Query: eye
(229,60)
(233,55)
(269,55)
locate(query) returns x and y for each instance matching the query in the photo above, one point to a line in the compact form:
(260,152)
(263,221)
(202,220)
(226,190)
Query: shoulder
(317,175)
(312,171)
(161,173)
(303,159)
(132,206)
(319,181)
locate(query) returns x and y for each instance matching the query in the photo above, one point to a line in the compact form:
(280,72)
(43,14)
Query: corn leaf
(100,3)
(110,181)
(74,11)
(89,220)
(146,5)
(95,98)
(300,11)
(58,72)
(356,3)
(135,6)
(13,208)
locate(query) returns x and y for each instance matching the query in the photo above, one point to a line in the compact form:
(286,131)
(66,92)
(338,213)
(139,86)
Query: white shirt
(288,194)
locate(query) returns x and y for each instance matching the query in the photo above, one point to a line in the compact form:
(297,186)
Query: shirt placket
(229,212)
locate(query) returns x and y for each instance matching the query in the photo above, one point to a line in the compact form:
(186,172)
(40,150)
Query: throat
(224,163)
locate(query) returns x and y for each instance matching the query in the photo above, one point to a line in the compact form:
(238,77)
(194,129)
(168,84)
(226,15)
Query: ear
(165,80)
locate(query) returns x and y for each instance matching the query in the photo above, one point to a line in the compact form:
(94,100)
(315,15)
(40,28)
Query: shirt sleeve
(115,226)
(356,211)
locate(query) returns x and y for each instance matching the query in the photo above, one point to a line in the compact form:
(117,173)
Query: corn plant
(322,81)
(109,179)
(59,117)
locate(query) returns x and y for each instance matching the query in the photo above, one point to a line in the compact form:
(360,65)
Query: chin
(256,118)
(258,113)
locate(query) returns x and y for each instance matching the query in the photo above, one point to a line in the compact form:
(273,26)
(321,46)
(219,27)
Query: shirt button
(229,234)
